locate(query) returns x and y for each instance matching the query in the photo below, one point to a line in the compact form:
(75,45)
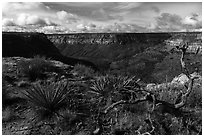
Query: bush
(109,83)
(5,93)
(47,98)
(83,70)
(34,68)
(195,98)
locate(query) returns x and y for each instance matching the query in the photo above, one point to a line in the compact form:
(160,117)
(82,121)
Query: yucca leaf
(48,96)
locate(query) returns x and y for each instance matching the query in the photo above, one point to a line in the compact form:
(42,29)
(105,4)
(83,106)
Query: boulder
(180,79)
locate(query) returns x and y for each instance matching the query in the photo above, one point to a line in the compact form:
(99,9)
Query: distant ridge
(26,44)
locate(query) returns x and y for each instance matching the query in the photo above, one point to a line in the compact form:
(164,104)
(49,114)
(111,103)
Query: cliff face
(110,45)
(100,45)
(148,56)
(31,44)
(194,41)
(107,38)
(145,55)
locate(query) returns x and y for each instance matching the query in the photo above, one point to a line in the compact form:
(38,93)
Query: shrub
(47,98)
(83,70)
(195,98)
(34,68)
(5,92)
(109,83)
(7,115)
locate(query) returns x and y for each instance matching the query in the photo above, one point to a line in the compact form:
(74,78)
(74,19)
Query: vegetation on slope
(76,100)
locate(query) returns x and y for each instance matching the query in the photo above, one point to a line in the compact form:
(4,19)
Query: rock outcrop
(178,82)
(105,45)
(109,45)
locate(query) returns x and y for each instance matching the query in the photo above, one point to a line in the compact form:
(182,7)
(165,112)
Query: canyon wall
(108,45)
(15,44)
(148,56)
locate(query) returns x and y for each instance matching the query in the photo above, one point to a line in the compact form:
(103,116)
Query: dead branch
(183,49)
(166,107)
(191,79)
(35,127)
(184,96)
(124,102)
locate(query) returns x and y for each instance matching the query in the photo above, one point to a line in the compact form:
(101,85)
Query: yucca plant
(48,98)
(111,83)
(113,88)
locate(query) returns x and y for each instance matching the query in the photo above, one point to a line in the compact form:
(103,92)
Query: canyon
(149,56)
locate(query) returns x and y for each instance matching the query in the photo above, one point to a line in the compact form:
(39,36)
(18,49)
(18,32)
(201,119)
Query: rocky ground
(18,117)
(16,114)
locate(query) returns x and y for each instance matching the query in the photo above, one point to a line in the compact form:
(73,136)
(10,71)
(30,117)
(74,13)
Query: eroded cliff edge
(16,44)
(112,45)
(146,55)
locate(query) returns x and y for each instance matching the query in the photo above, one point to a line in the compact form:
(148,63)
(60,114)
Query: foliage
(35,67)
(109,86)
(5,93)
(7,115)
(111,82)
(195,98)
(48,98)
(83,70)
(6,97)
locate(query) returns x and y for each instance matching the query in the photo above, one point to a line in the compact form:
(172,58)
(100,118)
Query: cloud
(127,5)
(27,19)
(192,20)
(53,29)
(22,6)
(167,19)
(90,27)
(115,27)
(67,17)
(121,27)
(81,27)
(155,9)
(173,22)
(101,17)
(104,15)
(8,22)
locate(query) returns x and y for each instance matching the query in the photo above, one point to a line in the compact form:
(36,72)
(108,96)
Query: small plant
(5,92)
(195,98)
(113,88)
(7,114)
(109,83)
(83,70)
(34,68)
(48,98)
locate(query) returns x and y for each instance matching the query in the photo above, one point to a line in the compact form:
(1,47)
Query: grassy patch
(83,71)
(34,68)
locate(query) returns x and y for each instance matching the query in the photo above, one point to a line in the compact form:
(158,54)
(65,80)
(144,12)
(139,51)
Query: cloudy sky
(67,17)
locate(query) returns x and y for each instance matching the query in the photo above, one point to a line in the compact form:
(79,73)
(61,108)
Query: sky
(88,17)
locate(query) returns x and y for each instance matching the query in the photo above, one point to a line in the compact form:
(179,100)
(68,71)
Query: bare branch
(184,97)
(124,102)
(191,79)
(183,65)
